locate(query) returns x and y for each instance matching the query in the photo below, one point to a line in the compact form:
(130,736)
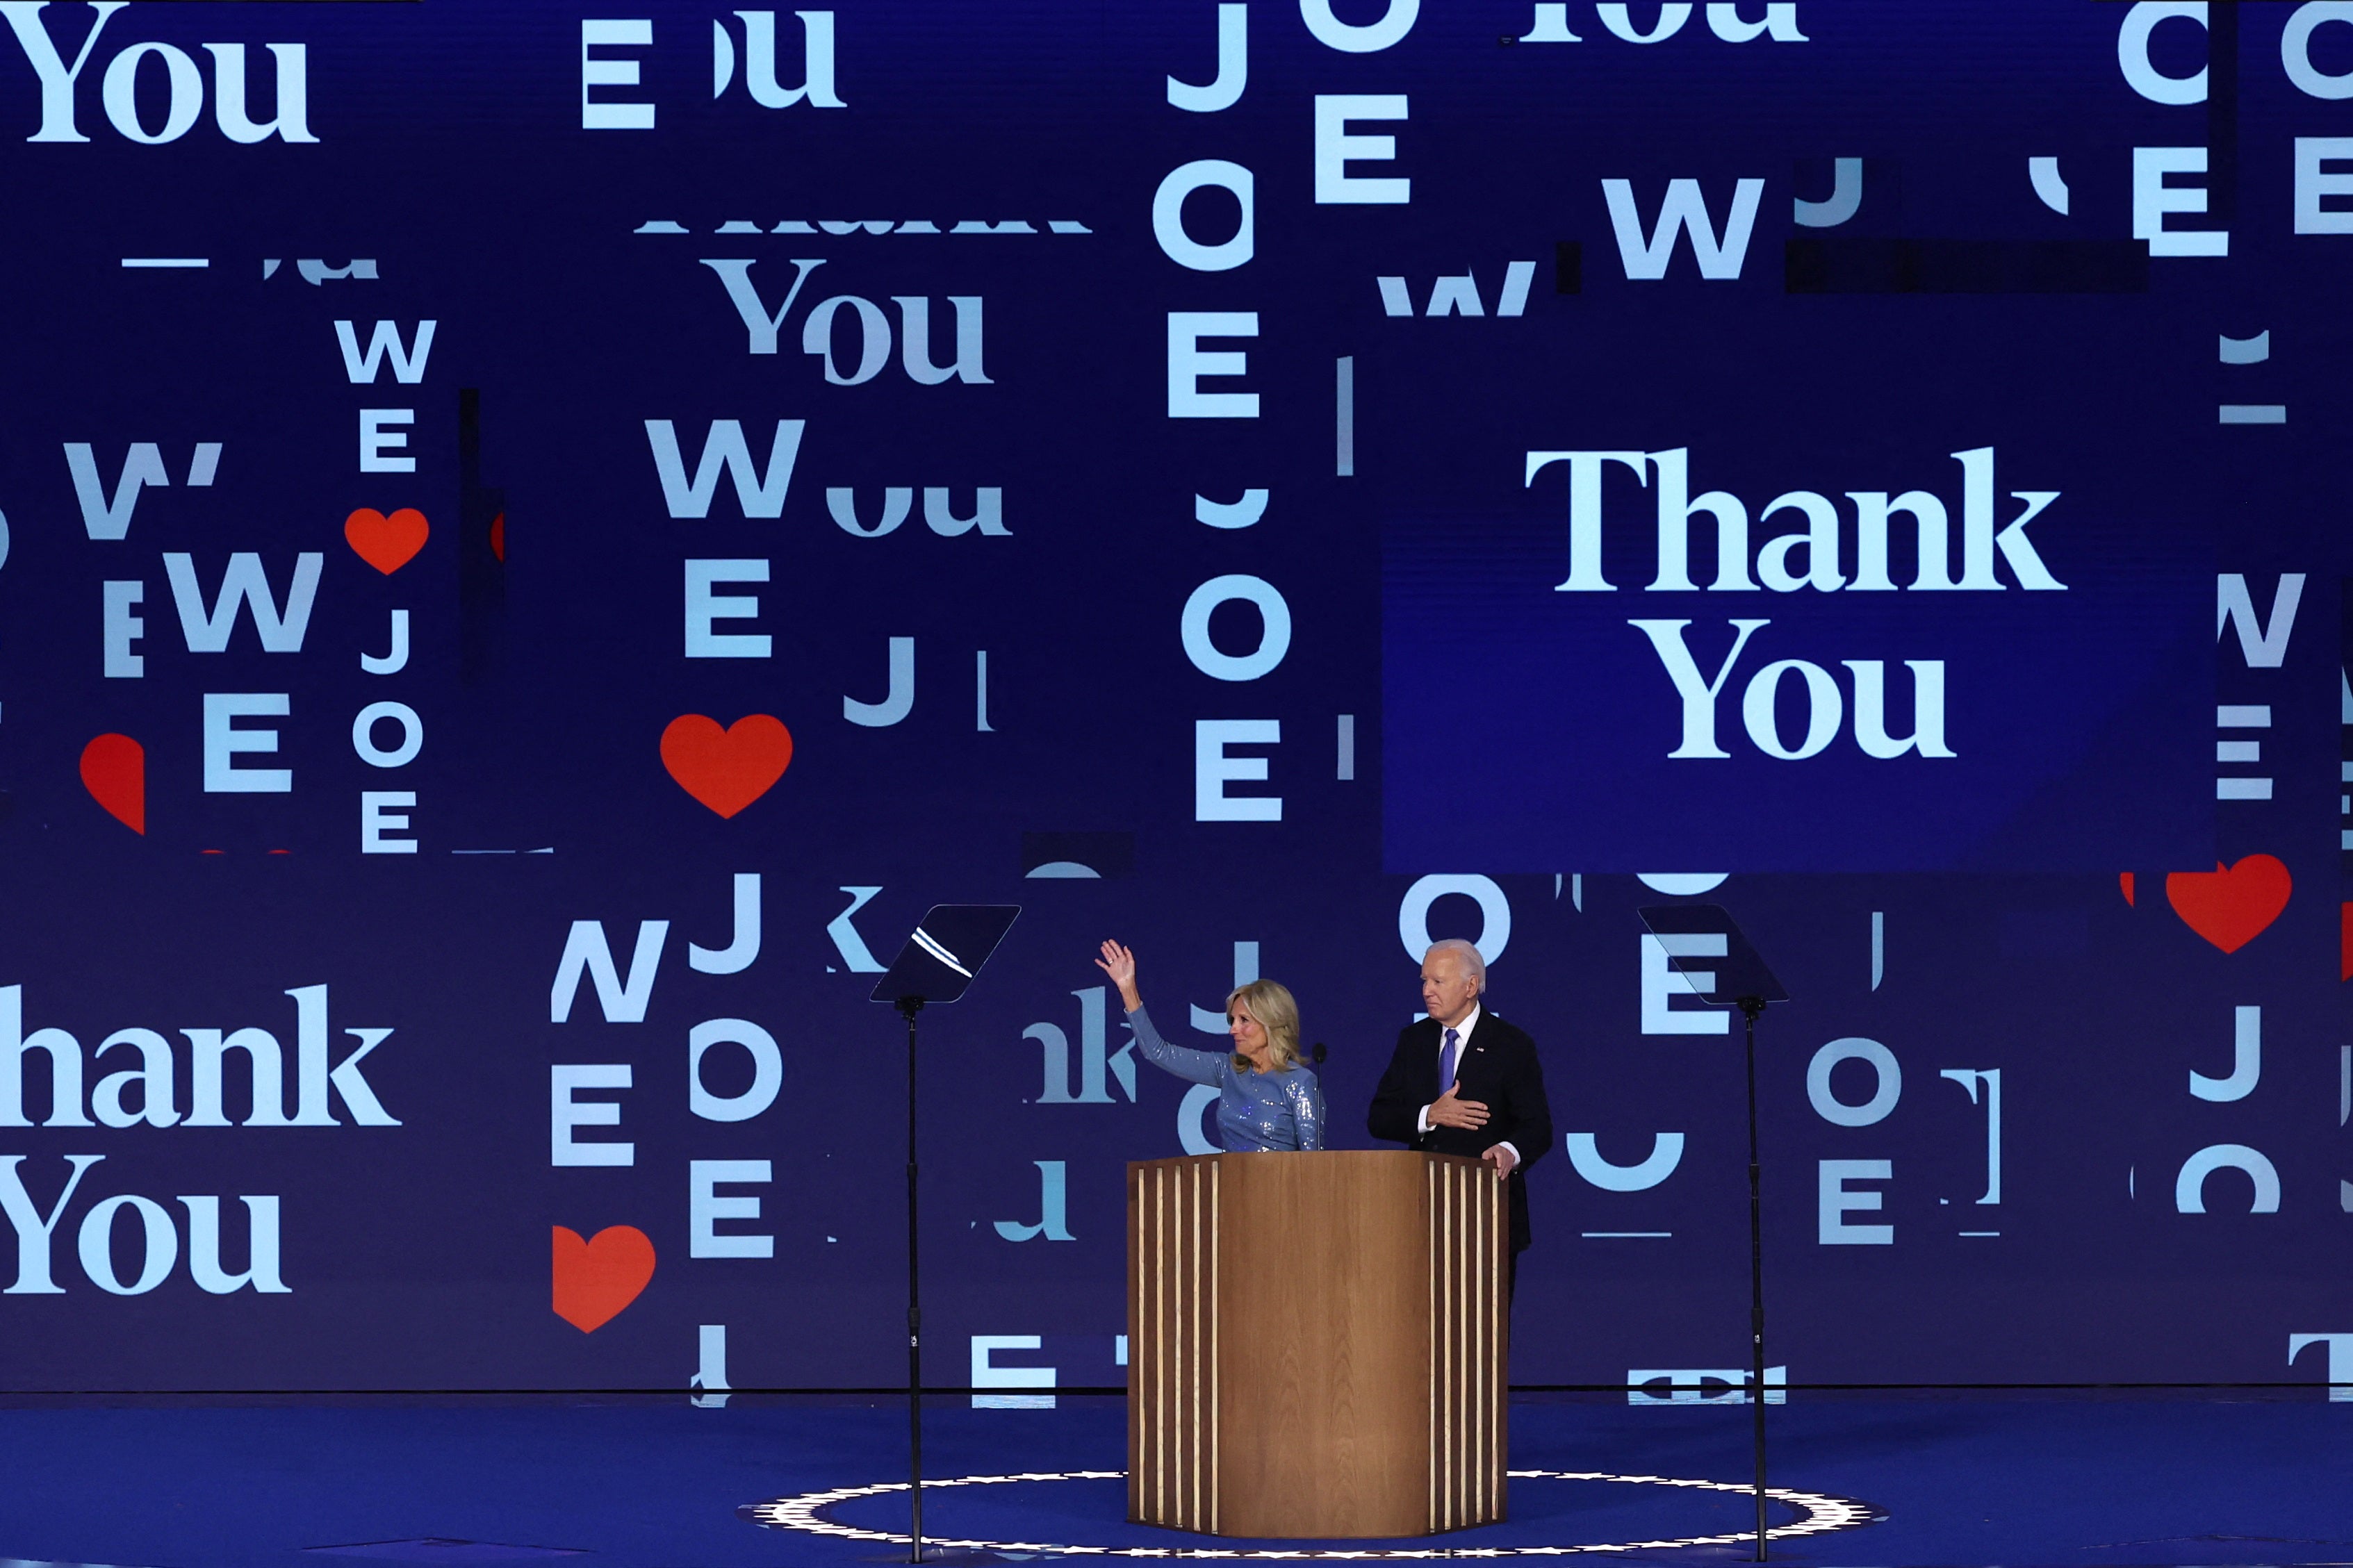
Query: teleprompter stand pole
(937,963)
(1737,973)
(1750,1006)
(910,1007)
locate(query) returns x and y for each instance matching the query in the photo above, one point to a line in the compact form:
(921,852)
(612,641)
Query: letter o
(1494,914)
(1837,1111)
(2189,1186)
(1666,1153)
(2132,52)
(98,1252)
(1350,39)
(119,94)
(1824,709)
(1168,215)
(1274,638)
(412,734)
(767,1069)
(2295,48)
(874,338)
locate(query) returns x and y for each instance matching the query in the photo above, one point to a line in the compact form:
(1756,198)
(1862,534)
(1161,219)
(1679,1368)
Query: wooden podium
(1315,1343)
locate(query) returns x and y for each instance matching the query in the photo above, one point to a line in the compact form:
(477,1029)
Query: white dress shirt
(1461,1049)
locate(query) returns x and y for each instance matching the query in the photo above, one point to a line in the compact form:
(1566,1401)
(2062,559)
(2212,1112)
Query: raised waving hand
(1120,964)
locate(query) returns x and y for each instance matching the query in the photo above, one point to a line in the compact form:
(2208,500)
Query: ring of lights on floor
(807,1512)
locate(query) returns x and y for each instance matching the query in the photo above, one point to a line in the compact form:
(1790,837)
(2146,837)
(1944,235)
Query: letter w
(407,363)
(587,951)
(2265,646)
(104,519)
(760,495)
(207,631)
(1684,208)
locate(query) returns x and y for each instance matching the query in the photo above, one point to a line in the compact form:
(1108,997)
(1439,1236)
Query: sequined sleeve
(1306,1090)
(1194,1066)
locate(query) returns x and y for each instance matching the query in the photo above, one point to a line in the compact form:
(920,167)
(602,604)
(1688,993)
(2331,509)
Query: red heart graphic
(2230,907)
(595,1279)
(387,543)
(114,771)
(728,769)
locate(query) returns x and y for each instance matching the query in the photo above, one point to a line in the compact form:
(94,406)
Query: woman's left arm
(1306,1091)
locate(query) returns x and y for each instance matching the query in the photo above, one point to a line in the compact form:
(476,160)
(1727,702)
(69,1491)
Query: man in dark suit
(1464,1081)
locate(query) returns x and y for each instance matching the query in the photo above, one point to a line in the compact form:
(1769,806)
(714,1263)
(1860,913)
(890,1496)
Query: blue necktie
(1446,1063)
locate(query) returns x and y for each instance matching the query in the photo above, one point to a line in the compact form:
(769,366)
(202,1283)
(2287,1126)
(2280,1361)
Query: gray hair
(1473,964)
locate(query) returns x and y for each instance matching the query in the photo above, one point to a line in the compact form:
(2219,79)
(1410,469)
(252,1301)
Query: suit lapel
(1429,1038)
(1473,1074)
(1481,1063)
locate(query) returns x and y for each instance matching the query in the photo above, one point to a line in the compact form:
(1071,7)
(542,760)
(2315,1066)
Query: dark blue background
(451,151)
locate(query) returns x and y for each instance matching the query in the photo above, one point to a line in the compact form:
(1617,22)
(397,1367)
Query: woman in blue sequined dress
(1267,1097)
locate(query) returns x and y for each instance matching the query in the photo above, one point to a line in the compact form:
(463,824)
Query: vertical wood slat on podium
(1315,1344)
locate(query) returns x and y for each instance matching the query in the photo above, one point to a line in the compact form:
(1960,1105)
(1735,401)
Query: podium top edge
(1421,1155)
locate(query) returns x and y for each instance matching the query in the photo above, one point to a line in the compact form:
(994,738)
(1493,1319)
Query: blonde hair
(1277,1013)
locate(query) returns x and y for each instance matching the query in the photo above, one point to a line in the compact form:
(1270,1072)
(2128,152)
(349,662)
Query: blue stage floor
(2097,1481)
